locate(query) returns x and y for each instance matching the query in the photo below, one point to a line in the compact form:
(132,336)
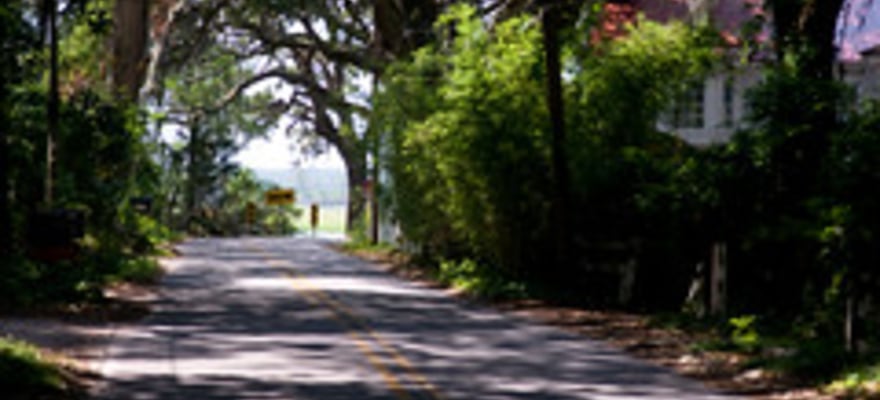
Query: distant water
(325,186)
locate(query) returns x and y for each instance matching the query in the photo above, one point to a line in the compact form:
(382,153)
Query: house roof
(727,15)
(858,24)
(858,30)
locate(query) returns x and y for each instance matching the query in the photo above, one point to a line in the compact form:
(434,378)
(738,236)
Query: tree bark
(8,59)
(52,106)
(806,29)
(131,21)
(356,167)
(550,20)
(402,26)
(5,211)
(374,199)
(193,173)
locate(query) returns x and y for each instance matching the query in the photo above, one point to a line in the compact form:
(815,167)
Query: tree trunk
(52,106)
(5,211)
(131,21)
(806,30)
(550,20)
(8,58)
(374,199)
(193,173)
(356,167)
(818,27)
(403,26)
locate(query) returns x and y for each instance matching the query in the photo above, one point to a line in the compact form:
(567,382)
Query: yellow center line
(354,324)
(346,312)
(390,379)
(314,298)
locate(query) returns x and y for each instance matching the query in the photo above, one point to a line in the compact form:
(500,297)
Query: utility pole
(373,192)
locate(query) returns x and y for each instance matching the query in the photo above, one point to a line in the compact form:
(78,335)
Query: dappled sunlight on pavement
(290,319)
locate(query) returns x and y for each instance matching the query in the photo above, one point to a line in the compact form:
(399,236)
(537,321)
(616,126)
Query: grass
(858,383)
(25,374)
(365,246)
(141,270)
(819,362)
(476,279)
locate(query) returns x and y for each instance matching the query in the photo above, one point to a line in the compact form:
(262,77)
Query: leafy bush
(469,130)
(813,360)
(143,270)
(25,374)
(477,279)
(744,334)
(470,159)
(19,277)
(858,383)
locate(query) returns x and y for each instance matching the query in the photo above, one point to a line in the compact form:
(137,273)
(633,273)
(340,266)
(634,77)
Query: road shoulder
(635,334)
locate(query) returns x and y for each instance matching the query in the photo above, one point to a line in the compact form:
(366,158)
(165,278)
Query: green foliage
(199,170)
(367,246)
(470,161)
(25,374)
(632,183)
(226,213)
(857,383)
(478,280)
(469,131)
(814,360)
(143,270)
(149,234)
(16,282)
(102,159)
(744,333)
(623,86)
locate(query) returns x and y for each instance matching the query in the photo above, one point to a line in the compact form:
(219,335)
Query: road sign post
(315,217)
(250,215)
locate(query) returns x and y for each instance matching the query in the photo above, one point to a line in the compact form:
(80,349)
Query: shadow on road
(230,325)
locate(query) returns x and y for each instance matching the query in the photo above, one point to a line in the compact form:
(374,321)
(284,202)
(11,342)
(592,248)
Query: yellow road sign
(280,197)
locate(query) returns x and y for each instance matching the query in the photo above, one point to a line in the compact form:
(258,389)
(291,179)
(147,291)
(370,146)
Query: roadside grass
(355,246)
(140,270)
(468,277)
(477,279)
(810,361)
(26,374)
(861,382)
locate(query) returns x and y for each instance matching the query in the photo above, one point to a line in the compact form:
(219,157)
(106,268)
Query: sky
(276,152)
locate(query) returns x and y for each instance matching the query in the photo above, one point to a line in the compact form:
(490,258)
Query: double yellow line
(366,339)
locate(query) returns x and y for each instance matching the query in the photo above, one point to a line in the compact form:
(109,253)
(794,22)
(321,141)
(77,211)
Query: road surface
(290,319)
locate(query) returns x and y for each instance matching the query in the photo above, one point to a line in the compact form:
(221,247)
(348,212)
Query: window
(687,112)
(729,96)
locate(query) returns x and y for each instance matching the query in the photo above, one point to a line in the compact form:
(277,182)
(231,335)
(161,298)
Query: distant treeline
(313,185)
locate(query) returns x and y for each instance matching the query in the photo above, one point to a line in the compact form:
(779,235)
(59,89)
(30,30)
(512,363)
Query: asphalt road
(290,319)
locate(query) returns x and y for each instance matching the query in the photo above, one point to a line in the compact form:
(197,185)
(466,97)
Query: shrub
(25,374)
(479,280)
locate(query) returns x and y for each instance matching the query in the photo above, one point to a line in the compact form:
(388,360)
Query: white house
(714,109)
(863,74)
